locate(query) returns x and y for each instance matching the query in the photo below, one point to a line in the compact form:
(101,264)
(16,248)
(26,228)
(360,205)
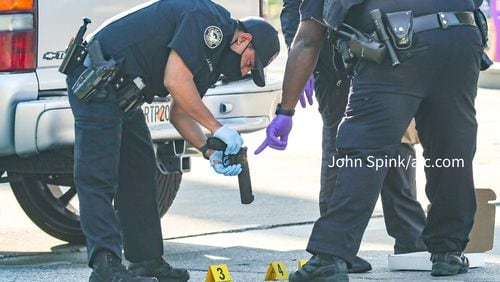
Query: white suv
(36,124)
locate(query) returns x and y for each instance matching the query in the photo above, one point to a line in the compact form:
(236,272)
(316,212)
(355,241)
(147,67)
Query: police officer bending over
(171,47)
(432,76)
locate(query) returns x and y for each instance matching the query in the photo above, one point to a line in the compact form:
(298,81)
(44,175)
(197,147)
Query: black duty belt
(443,20)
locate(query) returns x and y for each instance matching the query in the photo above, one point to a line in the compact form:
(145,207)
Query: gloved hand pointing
(308,92)
(231,137)
(219,163)
(277,133)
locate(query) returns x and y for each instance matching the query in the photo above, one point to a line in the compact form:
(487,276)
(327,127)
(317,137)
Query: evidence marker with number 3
(218,273)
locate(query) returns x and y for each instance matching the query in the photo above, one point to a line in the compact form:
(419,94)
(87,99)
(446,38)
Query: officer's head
(255,44)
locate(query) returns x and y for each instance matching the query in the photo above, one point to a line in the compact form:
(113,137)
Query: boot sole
(359,270)
(445,269)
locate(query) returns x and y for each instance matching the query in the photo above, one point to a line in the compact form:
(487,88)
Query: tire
(51,202)
(168,185)
(53,208)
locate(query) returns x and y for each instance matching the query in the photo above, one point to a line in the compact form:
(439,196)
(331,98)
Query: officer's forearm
(179,82)
(187,127)
(301,61)
(192,105)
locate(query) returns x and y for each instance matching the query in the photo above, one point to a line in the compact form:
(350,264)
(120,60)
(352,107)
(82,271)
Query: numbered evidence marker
(218,273)
(301,263)
(276,271)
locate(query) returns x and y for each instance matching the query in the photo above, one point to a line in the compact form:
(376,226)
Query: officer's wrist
(281,111)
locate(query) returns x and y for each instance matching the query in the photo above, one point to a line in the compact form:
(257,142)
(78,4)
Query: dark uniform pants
(403,214)
(436,83)
(115,163)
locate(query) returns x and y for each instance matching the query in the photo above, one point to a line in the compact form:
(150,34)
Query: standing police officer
(435,82)
(403,214)
(171,47)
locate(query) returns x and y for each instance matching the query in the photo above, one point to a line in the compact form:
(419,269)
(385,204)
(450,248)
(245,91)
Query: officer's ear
(244,37)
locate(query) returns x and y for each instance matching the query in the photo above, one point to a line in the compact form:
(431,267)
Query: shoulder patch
(213,36)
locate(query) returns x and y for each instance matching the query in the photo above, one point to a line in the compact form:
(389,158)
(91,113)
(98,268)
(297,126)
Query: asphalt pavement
(211,232)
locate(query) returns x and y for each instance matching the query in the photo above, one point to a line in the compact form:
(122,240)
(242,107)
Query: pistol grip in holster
(369,50)
(96,76)
(93,79)
(352,45)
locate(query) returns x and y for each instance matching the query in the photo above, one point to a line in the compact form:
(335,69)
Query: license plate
(157,112)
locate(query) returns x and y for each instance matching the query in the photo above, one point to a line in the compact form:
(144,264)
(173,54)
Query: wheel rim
(66,197)
(61,193)
(50,201)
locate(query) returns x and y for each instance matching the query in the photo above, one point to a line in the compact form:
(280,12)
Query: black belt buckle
(443,21)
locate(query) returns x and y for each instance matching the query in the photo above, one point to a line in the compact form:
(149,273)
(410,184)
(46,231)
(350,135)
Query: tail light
(17,35)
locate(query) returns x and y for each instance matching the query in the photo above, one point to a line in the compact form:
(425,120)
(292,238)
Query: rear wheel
(51,201)
(52,206)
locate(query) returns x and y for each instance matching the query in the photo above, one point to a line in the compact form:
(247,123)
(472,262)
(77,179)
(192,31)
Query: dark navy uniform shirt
(311,9)
(198,30)
(289,19)
(335,11)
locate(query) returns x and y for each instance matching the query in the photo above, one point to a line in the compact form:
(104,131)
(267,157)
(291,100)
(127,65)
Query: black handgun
(354,44)
(75,53)
(93,78)
(383,36)
(244,180)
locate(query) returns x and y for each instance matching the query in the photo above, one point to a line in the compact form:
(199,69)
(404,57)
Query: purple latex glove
(277,133)
(308,92)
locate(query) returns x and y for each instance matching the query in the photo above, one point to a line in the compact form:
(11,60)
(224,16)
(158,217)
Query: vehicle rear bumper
(48,123)
(14,88)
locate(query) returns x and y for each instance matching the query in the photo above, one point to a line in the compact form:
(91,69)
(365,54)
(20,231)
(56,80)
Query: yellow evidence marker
(276,271)
(218,273)
(301,263)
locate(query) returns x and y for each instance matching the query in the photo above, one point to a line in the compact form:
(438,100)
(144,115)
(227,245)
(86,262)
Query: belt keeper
(442,20)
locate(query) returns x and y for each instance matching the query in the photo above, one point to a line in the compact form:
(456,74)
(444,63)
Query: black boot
(359,265)
(160,269)
(321,268)
(447,264)
(109,268)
